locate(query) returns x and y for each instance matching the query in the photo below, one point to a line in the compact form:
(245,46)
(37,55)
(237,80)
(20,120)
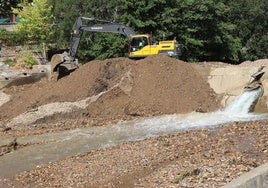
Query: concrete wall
(229,81)
(256,178)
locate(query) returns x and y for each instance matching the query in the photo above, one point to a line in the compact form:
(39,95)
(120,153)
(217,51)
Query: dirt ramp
(151,86)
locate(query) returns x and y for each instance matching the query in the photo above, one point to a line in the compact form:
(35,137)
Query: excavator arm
(140,45)
(77,31)
(106,27)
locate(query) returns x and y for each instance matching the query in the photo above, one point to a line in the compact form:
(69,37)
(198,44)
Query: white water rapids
(63,144)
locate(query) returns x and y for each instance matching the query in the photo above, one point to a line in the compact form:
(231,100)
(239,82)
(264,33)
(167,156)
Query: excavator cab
(137,42)
(142,45)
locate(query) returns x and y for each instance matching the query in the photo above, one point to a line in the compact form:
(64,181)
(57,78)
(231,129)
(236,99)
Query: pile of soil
(127,88)
(152,86)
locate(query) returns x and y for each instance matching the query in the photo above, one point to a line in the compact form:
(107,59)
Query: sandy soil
(128,89)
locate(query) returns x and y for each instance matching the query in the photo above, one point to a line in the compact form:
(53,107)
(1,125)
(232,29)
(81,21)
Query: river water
(68,143)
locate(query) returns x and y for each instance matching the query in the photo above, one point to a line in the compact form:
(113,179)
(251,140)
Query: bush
(29,59)
(11,38)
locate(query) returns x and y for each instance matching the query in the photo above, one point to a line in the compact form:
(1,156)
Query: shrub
(29,59)
(11,38)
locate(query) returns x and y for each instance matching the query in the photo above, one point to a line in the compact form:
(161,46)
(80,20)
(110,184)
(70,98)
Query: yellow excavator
(140,45)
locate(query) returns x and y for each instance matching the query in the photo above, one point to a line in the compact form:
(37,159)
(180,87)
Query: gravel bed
(196,158)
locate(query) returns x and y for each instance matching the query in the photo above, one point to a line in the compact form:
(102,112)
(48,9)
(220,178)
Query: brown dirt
(155,85)
(152,86)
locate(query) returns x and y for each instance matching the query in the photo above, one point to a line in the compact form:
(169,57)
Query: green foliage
(102,46)
(251,20)
(11,38)
(256,48)
(65,15)
(208,30)
(149,17)
(229,31)
(6,7)
(36,20)
(29,59)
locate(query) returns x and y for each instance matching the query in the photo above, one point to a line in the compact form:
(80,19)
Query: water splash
(244,102)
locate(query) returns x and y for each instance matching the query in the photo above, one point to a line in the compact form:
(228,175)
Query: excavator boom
(107,27)
(139,45)
(77,31)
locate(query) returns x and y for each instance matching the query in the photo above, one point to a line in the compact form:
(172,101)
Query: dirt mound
(159,85)
(151,86)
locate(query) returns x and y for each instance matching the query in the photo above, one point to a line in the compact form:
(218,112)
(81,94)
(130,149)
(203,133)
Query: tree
(6,7)
(209,30)
(92,45)
(250,17)
(150,16)
(206,32)
(36,21)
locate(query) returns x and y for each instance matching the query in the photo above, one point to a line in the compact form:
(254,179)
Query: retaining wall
(256,178)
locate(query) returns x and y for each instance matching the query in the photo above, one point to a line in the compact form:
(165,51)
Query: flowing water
(243,103)
(68,143)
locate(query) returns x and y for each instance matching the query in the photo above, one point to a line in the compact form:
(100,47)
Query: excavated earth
(123,89)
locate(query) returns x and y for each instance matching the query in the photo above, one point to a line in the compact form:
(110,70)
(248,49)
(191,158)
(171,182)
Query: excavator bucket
(56,61)
(255,81)
(61,65)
